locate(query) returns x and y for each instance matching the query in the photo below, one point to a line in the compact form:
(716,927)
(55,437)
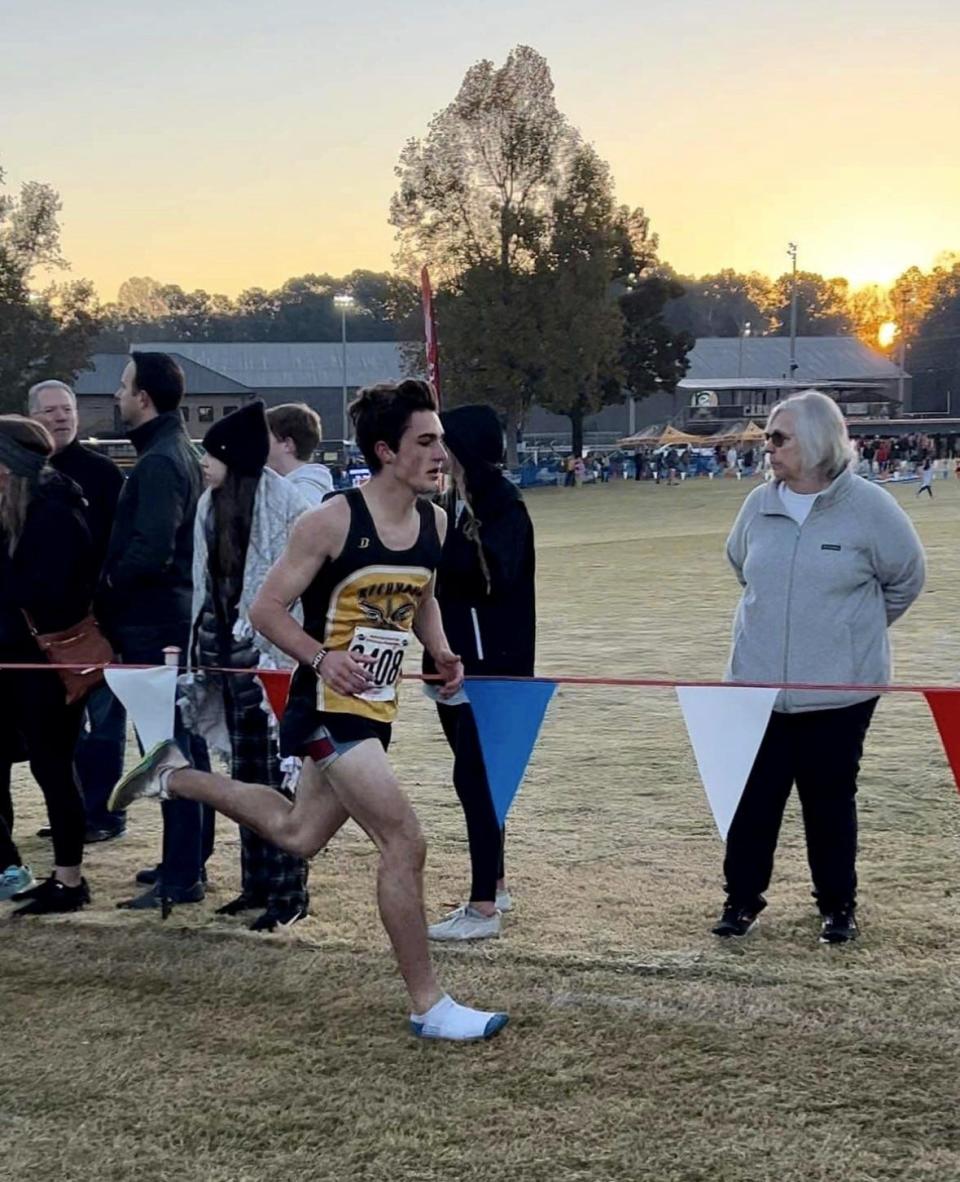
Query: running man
(926,478)
(363,567)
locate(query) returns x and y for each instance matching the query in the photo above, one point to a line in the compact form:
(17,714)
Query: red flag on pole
(945,708)
(430,333)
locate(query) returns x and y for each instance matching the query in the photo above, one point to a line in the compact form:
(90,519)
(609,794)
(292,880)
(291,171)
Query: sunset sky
(225,144)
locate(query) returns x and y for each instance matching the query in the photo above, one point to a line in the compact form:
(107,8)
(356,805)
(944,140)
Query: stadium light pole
(792,252)
(343,302)
(744,332)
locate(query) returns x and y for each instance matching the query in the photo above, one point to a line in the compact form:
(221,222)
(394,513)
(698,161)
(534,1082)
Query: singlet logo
(390,615)
(364,543)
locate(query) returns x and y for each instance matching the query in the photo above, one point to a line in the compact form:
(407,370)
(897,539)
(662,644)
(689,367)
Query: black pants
(819,751)
(484,834)
(270,876)
(35,710)
(188,826)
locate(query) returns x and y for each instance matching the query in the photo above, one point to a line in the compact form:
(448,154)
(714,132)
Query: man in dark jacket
(146,589)
(99,754)
(486,593)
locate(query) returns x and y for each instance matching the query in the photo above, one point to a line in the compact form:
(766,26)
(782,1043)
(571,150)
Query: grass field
(639,1047)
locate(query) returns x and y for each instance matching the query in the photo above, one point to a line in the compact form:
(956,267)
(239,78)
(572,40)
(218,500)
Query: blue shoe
(15,879)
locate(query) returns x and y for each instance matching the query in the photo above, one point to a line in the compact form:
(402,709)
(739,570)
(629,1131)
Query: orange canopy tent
(740,433)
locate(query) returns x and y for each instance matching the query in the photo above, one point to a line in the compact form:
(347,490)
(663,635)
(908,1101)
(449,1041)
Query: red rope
(560,679)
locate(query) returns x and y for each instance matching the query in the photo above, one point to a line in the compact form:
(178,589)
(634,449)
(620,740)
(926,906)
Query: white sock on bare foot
(163,779)
(450,1020)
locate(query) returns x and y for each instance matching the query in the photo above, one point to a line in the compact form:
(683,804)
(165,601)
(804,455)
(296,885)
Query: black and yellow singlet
(364,600)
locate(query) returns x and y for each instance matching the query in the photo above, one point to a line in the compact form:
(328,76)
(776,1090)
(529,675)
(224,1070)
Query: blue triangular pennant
(508,715)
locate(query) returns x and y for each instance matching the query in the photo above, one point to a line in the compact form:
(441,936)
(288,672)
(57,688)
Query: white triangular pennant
(149,696)
(725,725)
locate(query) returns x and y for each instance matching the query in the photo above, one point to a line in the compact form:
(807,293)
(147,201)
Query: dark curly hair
(381,413)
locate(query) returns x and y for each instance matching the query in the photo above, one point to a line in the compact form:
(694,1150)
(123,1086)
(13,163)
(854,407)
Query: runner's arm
(428,627)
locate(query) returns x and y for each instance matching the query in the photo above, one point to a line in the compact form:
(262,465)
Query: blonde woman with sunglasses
(827,562)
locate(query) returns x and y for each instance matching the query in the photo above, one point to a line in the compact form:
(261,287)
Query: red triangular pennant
(945,708)
(276,685)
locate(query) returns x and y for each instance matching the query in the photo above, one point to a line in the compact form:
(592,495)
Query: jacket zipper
(476,633)
(786,631)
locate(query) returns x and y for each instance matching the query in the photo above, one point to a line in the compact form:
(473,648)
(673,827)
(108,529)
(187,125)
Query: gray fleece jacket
(818,598)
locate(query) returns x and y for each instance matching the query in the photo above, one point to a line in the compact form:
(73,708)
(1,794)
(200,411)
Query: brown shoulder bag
(83,645)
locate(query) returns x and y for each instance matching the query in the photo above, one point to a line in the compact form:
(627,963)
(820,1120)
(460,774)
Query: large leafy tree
(475,200)
(592,243)
(43,333)
(516,218)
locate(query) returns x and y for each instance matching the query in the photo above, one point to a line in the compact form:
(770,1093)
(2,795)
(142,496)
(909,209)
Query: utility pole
(343,302)
(792,252)
(744,332)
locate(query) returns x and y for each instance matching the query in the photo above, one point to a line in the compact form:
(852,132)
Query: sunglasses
(777,438)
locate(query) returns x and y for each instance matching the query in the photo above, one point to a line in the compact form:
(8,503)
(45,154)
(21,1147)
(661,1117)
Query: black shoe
(95,835)
(735,921)
(243,902)
(839,927)
(153,900)
(278,917)
(44,831)
(52,897)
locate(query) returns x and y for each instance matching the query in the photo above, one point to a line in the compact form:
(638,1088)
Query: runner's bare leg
(367,788)
(302,826)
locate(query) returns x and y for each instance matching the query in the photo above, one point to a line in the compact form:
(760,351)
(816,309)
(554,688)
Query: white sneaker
(15,879)
(149,777)
(504,901)
(465,924)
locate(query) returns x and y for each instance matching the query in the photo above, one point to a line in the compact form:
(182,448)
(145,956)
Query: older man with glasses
(99,755)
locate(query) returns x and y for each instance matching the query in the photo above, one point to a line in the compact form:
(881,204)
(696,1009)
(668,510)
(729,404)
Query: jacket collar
(144,436)
(839,488)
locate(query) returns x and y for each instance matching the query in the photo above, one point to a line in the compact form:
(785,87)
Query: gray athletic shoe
(466,924)
(504,901)
(146,779)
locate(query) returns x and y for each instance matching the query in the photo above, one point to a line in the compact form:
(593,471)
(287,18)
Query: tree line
(549,291)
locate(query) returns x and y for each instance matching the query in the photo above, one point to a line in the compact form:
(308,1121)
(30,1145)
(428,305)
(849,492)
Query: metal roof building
(270,367)
(728,379)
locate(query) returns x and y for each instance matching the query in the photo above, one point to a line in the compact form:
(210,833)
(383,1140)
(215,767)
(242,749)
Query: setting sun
(886,334)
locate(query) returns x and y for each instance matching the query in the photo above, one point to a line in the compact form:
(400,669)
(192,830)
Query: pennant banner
(945,708)
(276,685)
(725,725)
(508,715)
(149,696)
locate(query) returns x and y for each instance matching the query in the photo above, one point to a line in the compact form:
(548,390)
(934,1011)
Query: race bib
(386,647)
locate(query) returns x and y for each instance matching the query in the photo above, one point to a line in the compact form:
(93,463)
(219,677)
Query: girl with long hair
(47,573)
(485,588)
(243,521)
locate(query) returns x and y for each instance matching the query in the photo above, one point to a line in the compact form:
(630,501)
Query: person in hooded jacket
(486,592)
(243,521)
(47,572)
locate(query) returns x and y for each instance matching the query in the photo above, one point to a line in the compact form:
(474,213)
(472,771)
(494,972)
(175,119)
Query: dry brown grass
(638,1049)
